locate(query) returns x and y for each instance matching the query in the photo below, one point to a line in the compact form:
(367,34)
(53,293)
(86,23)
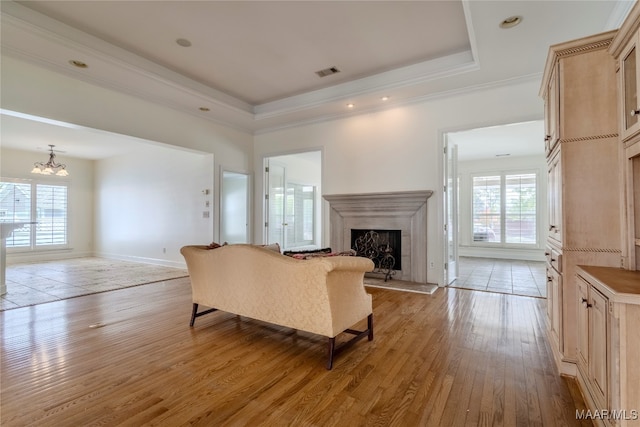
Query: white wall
(18,164)
(399,149)
(465,173)
(150,204)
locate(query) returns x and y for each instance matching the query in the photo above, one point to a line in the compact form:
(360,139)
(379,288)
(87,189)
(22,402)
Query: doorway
(495,198)
(293,204)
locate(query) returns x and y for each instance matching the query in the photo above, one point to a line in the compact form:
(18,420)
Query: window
(520,208)
(45,204)
(505,208)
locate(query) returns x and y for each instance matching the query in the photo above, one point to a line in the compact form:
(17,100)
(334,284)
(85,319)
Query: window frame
(33,247)
(503,174)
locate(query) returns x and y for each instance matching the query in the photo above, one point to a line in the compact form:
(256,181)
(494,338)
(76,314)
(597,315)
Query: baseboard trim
(565,367)
(502,253)
(589,401)
(43,256)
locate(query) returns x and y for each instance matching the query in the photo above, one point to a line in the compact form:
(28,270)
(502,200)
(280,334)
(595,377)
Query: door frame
(442,134)
(451,210)
(262,184)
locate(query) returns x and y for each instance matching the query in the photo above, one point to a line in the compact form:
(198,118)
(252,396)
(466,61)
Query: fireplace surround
(405,211)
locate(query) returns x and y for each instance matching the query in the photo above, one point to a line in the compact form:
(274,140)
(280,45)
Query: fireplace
(403,213)
(383,247)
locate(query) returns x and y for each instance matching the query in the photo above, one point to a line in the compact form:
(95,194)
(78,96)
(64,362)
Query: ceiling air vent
(327,72)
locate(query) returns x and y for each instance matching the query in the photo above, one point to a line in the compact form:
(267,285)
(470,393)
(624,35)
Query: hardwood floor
(128,357)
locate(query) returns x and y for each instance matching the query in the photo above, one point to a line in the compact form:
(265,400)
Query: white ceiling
(253,63)
(512,140)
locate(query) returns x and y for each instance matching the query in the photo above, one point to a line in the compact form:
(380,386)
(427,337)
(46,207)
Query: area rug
(37,283)
(400,285)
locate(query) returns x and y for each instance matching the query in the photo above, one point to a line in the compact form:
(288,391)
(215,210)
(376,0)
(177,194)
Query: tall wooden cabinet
(626,50)
(591,89)
(579,90)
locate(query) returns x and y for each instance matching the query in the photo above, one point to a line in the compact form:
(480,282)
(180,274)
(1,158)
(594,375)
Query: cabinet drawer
(554,259)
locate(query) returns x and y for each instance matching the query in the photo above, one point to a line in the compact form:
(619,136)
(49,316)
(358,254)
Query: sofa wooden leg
(334,351)
(194,313)
(331,347)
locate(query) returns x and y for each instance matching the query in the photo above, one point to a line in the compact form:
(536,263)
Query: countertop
(618,284)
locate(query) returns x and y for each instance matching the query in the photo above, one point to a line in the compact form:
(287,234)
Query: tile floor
(504,276)
(36,283)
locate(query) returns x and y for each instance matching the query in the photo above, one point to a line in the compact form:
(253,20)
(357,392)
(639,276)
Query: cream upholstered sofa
(324,295)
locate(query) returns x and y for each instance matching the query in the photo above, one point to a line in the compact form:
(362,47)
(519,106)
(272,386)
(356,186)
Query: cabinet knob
(547,138)
(635,112)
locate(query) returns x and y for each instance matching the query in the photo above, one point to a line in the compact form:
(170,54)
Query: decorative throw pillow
(350,252)
(302,254)
(214,245)
(319,253)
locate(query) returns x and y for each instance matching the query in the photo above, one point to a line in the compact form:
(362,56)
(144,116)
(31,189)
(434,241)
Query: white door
(234,207)
(276,226)
(451,211)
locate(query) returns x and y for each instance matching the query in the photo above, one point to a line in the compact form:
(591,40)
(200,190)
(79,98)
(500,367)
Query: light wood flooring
(128,357)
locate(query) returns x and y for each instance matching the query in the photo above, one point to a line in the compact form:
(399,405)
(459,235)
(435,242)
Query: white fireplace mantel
(405,211)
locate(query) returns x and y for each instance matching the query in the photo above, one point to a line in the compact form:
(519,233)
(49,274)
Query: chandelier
(51,166)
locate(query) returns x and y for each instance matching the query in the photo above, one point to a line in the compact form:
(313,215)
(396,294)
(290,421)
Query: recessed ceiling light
(511,21)
(78,64)
(183,42)
(350,105)
(204,109)
(385,98)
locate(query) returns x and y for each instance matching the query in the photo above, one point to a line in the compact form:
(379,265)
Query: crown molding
(402,77)
(466,90)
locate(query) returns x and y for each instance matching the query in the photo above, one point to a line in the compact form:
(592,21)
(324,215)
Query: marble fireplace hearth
(405,211)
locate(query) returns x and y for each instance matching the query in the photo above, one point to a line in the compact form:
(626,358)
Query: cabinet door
(633,205)
(598,339)
(583,324)
(551,111)
(629,86)
(556,308)
(554,192)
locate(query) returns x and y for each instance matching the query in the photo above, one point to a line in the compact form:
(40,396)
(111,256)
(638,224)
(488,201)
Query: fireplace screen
(380,246)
